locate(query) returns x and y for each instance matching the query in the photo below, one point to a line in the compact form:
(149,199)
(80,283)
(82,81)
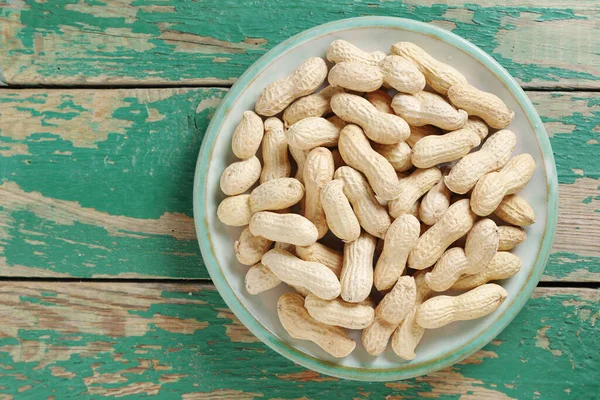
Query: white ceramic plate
(439,348)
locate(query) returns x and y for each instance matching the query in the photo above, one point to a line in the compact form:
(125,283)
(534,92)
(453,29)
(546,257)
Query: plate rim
(404,370)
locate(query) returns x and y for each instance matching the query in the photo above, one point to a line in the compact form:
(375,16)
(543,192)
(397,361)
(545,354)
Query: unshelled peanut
(317,252)
(481,104)
(315,277)
(481,245)
(337,312)
(397,154)
(235,210)
(401,74)
(303,81)
(300,325)
(288,228)
(276,194)
(510,237)
(343,51)
(338,211)
(502,266)
(312,132)
(455,222)
(491,188)
(439,76)
(357,273)
(400,238)
(247,136)
(357,76)
(314,105)
(381,101)
(412,188)
(494,153)
(358,153)
(380,127)
(259,278)
(318,171)
(276,162)
(424,108)
(396,304)
(515,210)
(435,203)
(476,303)
(240,176)
(249,248)
(373,217)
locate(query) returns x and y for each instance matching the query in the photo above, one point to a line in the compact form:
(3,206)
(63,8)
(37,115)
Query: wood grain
(120,42)
(98,183)
(171,340)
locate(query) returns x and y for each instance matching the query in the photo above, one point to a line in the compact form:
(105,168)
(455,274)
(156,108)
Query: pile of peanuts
(396,182)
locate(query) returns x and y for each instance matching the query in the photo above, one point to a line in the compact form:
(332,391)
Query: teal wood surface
(90,340)
(101,121)
(70,42)
(97,183)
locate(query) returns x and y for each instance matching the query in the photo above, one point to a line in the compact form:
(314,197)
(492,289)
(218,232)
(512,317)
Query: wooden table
(104,292)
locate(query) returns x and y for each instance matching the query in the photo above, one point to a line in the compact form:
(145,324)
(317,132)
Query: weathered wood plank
(549,44)
(115,339)
(97,183)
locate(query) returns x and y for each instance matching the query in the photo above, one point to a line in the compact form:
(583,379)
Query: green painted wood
(145,42)
(98,183)
(74,340)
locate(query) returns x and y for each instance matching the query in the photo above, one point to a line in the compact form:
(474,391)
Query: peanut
(276,163)
(235,210)
(455,222)
(482,104)
(412,188)
(443,310)
(510,237)
(379,126)
(373,217)
(401,74)
(397,154)
(419,132)
(303,81)
(300,157)
(396,305)
(503,266)
(312,132)
(247,136)
(276,194)
(358,153)
(300,325)
(314,105)
(337,312)
(408,335)
(491,188)
(259,278)
(249,248)
(357,273)
(322,254)
(478,126)
(447,270)
(315,277)
(494,153)
(400,238)
(482,244)
(376,337)
(426,108)
(381,101)
(515,210)
(438,75)
(438,149)
(240,176)
(318,171)
(356,76)
(338,211)
(435,203)
(288,228)
(343,51)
